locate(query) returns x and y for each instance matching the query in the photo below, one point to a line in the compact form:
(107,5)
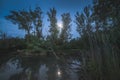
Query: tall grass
(101,61)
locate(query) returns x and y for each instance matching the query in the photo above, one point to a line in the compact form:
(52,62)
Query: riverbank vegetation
(98,43)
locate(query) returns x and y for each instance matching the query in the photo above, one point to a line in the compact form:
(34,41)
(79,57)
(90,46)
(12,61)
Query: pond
(40,68)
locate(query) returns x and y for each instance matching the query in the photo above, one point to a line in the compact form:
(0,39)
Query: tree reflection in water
(38,69)
(9,69)
(42,75)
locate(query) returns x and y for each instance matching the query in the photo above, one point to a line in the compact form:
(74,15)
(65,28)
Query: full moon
(60,25)
(58,72)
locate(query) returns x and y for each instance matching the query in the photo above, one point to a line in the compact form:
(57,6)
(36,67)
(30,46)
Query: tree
(108,13)
(3,35)
(36,17)
(22,18)
(83,21)
(105,9)
(27,20)
(110,19)
(65,32)
(84,27)
(53,25)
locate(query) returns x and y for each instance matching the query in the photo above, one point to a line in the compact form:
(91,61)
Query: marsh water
(40,68)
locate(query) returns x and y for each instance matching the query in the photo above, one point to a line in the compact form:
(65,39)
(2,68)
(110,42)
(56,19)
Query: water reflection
(59,72)
(9,69)
(39,69)
(42,75)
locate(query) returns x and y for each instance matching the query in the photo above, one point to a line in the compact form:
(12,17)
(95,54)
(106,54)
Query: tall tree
(110,18)
(22,19)
(3,35)
(84,28)
(36,17)
(108,13)
(83,21)
(65,32)
(107,9)
(27,20)
(53,24)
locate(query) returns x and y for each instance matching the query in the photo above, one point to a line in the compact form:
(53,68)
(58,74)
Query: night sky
(61,6)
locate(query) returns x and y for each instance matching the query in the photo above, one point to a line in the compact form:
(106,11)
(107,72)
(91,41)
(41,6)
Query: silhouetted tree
(84,26)
(3,35)
(27,20)
(36,17)
(107,13)
(22,19)
(84,21)
(65,31)
(53,25)
(105,10)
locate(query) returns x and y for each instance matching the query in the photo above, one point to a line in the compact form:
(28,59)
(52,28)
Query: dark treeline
(98,42)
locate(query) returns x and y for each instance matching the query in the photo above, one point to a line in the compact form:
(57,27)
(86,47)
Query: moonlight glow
(59,73)
(60,25)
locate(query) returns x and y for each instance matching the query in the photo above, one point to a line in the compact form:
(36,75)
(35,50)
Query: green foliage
(99,37)
(65,32)
(53,25)
(84,21)
(22,18)
(36,45)
(28,20)
(102,56)
(36,17)
(12,44)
